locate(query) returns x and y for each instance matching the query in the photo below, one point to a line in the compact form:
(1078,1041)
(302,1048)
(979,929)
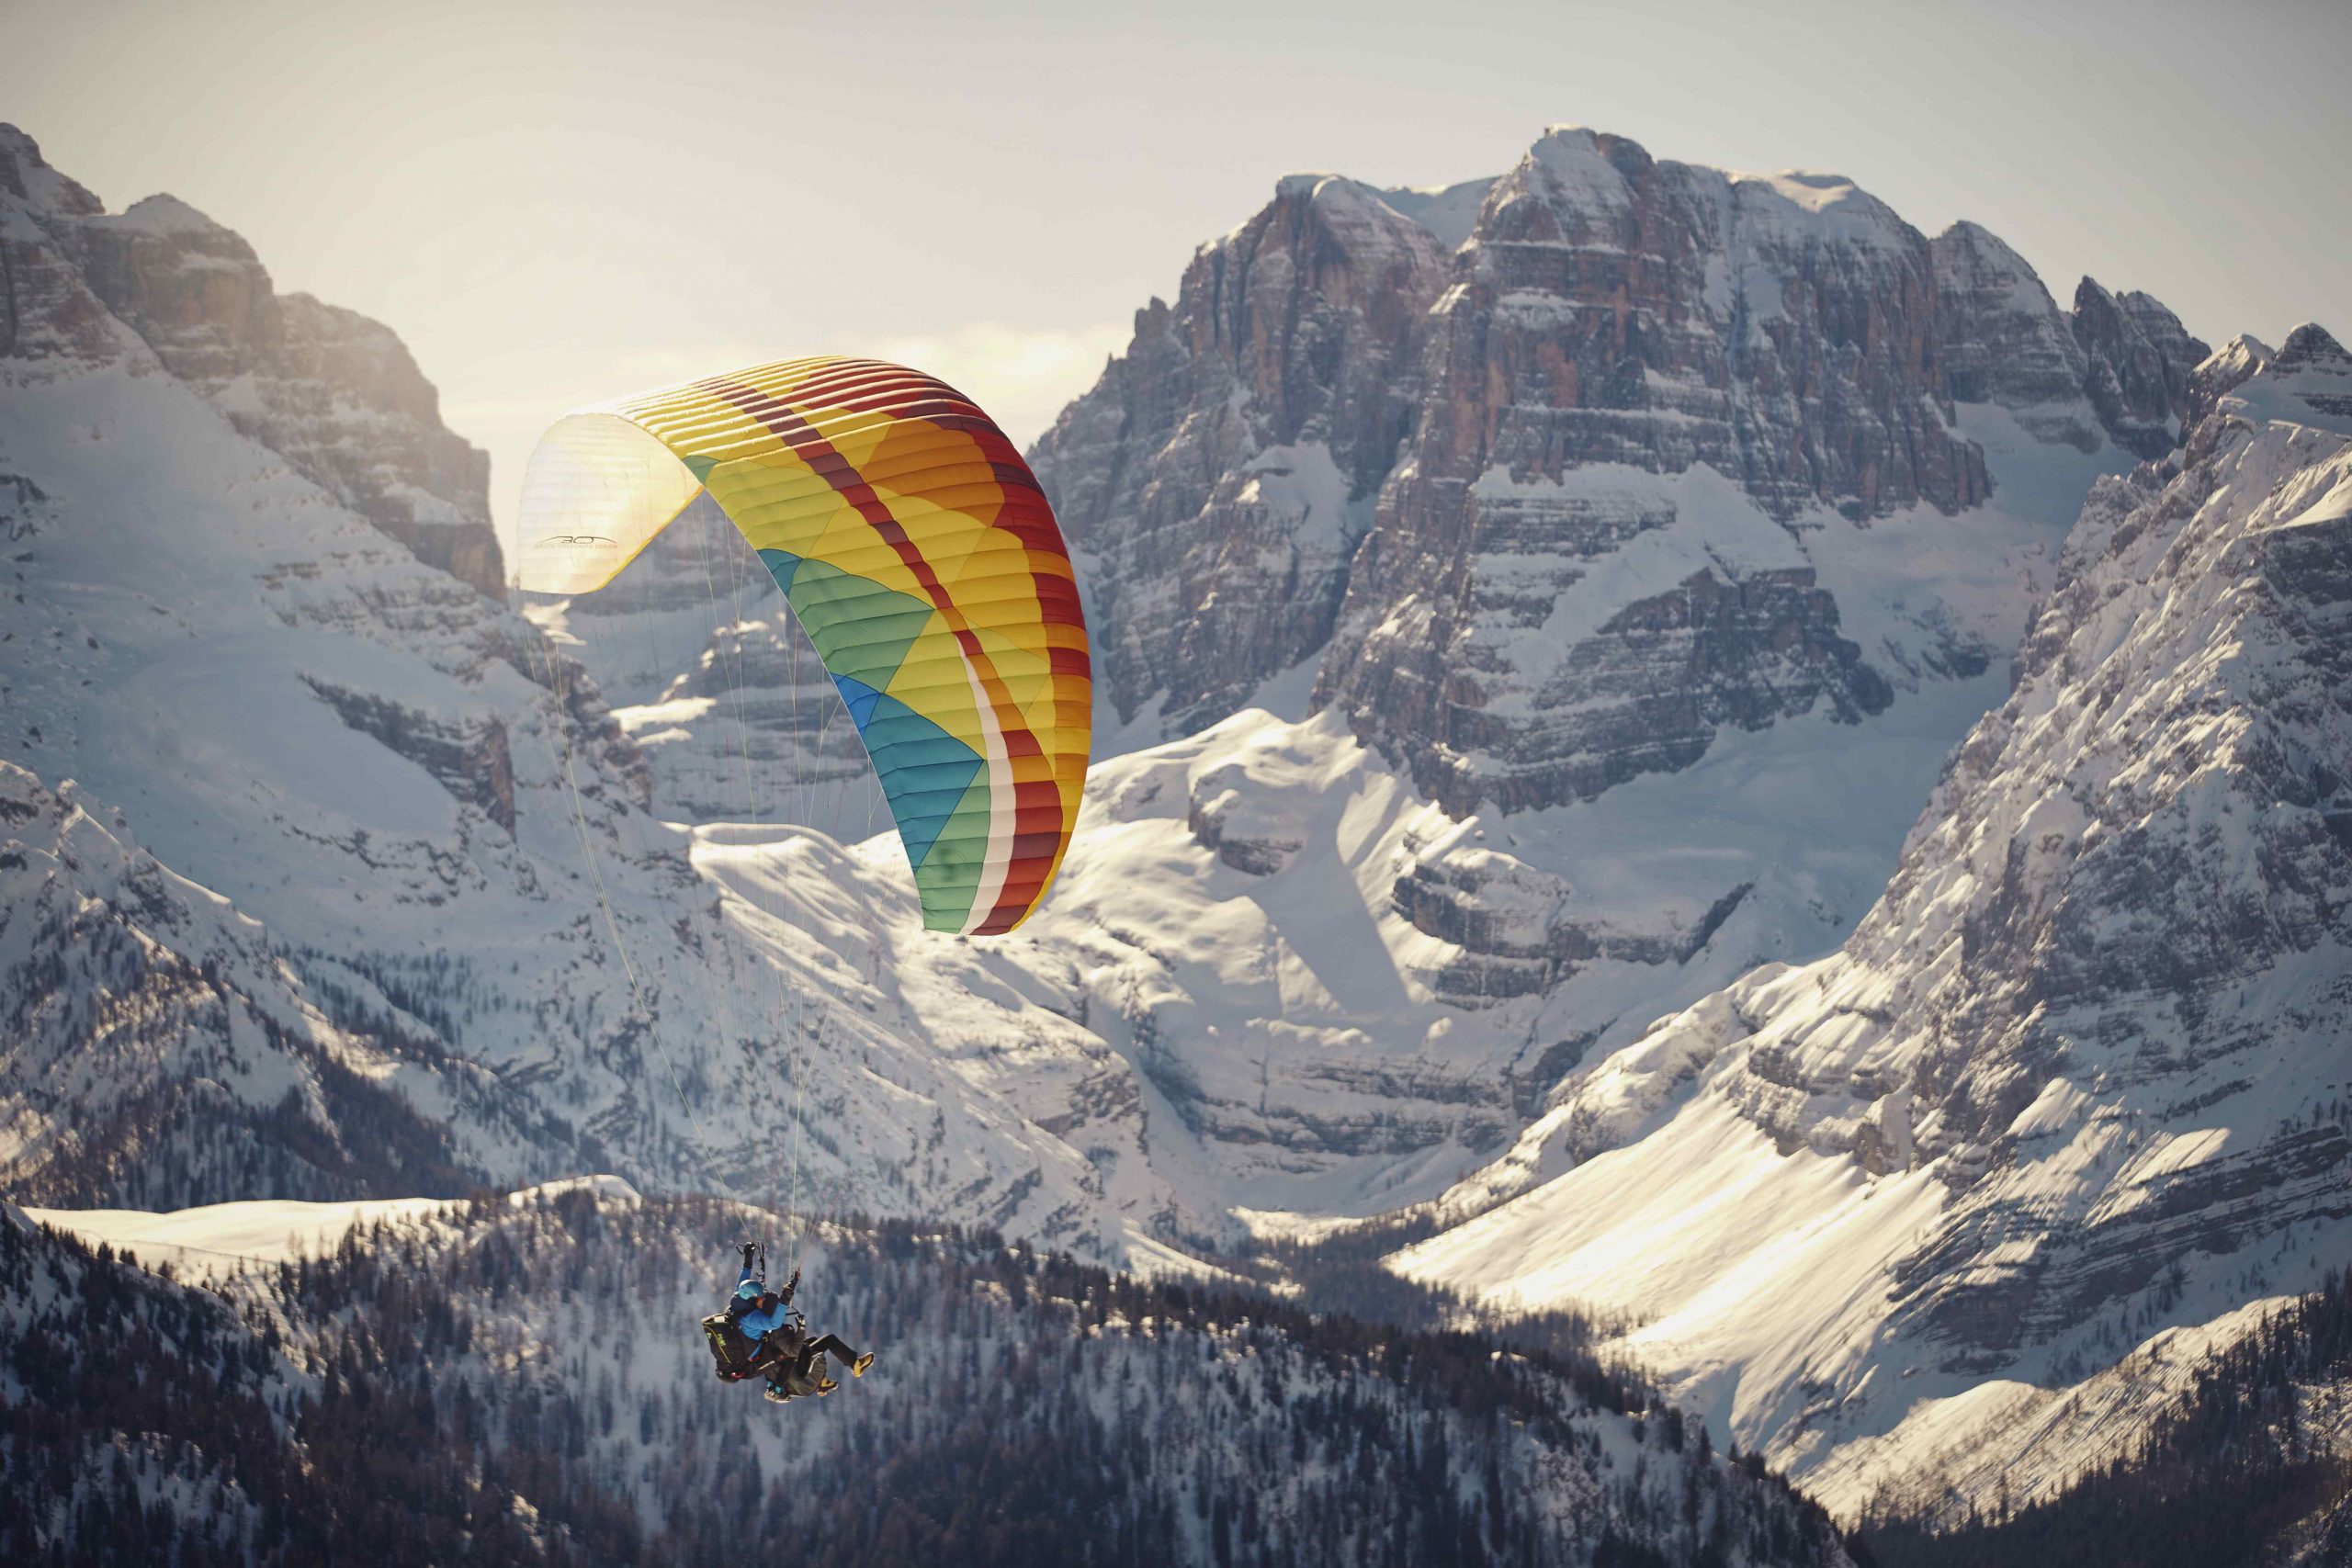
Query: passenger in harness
(762,1334)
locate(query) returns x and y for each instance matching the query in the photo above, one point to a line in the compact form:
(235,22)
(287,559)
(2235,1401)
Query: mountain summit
(1420,437)
(333,394)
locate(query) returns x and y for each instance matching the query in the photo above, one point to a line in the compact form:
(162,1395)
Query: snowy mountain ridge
(1642,700)
(159,1046)
(437,825)
(333,394)
(1228,480)
(2078,1078)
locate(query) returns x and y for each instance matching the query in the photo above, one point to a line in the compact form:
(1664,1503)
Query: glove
(747,1249)
(792,1284)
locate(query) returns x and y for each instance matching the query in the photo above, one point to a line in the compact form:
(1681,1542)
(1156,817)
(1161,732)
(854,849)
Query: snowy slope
(2078,1078)
(440,830)
(159,1048)
(222,1239)
(1272,976)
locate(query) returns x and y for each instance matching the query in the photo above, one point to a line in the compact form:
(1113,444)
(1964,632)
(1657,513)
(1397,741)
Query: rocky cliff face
(1551,434)
(2006,344)
(334,393)
(1220,475)
(2138,359)
(1550,603)
(2081,1075)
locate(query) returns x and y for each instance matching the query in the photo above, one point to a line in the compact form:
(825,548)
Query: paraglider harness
(738,1356)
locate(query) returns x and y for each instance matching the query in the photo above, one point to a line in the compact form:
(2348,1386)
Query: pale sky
(556,203)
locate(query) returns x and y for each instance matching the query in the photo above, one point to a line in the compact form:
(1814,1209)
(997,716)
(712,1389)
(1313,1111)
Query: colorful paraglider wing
(920,557)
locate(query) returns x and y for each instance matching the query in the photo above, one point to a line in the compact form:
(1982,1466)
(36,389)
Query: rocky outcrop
(1645,691)
(1221,474)
(1521,931)
(2137,362)
(2116,367)
(2090,1044)
(334,393)
(345,404)
(2006,342)
(468,758)
(1389,435)
(1219,816)
(47,314)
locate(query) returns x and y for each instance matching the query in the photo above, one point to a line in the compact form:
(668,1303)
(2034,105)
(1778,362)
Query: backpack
(732,1351)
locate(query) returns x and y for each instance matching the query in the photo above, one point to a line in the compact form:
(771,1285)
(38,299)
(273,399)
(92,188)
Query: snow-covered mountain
(295,712)
(1948,1207)
(1626,527)
(1508,459)
(333,394)
(1524,609)
(1275,972)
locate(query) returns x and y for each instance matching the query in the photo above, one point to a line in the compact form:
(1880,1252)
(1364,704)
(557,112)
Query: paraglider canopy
(918,552)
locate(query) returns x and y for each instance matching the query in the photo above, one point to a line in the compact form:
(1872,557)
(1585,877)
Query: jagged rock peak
(26,176)
(2308,381)
(2139,358)
(335,394)
(2006,343)
(1220,473)
(1397,402)
(2221,372)
(2311,347)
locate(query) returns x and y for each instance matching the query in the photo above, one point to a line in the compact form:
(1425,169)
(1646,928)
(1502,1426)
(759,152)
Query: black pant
(829,1345)
(780,1361)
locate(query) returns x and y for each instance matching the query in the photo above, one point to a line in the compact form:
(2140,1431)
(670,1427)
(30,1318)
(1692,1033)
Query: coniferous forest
(522,1381)
(526,1384)
(2230,1475)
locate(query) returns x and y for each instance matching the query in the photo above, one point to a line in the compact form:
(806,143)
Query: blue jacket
(753,1323)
